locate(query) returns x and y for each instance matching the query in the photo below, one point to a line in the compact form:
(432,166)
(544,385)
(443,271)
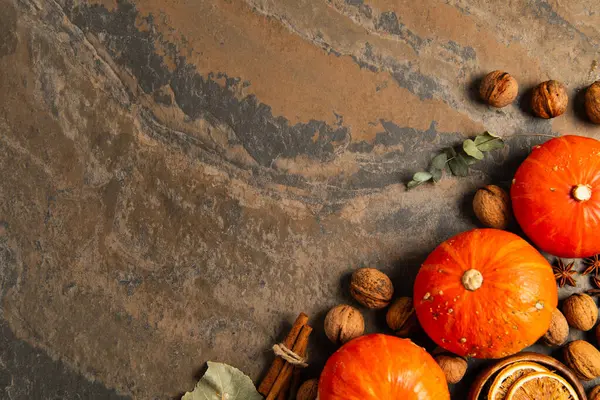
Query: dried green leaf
(422,176)
(458,165)
(450,152)
(488,142)
(470,160)
(222,381)
(413,184)
(436,174)
(439,161)
(471,149)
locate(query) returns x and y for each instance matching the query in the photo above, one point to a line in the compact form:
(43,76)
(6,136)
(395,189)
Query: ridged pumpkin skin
(376,367)
(506,310)
(544,198)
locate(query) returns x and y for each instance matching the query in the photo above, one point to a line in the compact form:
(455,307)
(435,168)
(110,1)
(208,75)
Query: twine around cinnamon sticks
(289,356)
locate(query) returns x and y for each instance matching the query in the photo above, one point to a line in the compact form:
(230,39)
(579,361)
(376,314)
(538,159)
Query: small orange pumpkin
(556,196)
(485,293)
(376,367)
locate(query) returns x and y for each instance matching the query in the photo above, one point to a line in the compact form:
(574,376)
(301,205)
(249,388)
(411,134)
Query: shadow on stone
(525,101)
(473,90)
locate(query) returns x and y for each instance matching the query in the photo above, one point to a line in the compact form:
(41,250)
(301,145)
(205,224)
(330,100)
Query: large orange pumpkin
(376,367)
(556,196)
(485,293)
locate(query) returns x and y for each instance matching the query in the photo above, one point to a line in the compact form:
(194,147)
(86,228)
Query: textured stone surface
(181,178)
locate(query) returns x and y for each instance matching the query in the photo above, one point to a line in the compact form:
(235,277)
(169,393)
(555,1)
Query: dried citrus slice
(541,386)
(509,375)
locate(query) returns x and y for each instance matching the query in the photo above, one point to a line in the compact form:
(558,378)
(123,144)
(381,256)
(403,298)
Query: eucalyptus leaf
(471,149)
(422,176)
(488,142)
(222,381)
(458,165)
(413,184)
(436,174)
(450,152)
(470,160)
(439,161)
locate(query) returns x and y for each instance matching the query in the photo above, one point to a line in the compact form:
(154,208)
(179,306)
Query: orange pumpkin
(556,196)
(375,367)
(485,293)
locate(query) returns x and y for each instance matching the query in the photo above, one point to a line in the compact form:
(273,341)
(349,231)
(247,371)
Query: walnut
(492,206)
(454,367)
(371,288)
(583,359)
(594,394)
(401,317)
(581,311)
(344,323)
(549,99)
(308,390)
(499,89)
(558,332)
(592,102)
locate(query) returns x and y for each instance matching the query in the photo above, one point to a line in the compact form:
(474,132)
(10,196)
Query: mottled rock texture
(180,178)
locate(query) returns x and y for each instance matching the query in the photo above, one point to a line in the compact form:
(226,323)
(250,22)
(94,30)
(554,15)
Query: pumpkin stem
(581,192)
(472,280)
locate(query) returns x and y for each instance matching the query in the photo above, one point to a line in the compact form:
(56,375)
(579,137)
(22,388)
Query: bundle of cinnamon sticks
(276,384)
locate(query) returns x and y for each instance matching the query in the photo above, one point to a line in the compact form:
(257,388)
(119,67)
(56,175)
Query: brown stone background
(180,178)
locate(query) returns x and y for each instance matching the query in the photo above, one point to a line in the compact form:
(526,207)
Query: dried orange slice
(509,375)
(541,386)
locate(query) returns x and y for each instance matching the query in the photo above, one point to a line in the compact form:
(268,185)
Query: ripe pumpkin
(485,293)
(375,367)
(556,196)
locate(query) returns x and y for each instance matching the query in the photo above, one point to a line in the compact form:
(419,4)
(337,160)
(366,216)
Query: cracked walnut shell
(549,99)
(344,323)
(371,288)
(499,89)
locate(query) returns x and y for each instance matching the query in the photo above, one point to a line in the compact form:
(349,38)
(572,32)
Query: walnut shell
(308,390)
(399,312)
(581,311)
(371,288)
(594,394)
(499,89)
(454,367)
(598,334)
(492,207)
(401,317)
(549,99)
(592,102)
(344,323)
(583,359)
(558,333)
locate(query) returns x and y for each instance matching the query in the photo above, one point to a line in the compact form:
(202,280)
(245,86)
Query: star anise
(593,265)
(564,273)
(596,281)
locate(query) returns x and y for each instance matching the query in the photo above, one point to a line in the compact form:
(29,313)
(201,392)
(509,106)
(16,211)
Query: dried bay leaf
(223,382)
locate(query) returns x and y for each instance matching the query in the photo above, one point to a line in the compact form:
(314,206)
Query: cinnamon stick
(283,393)
(286,373)
(295,381)
(267,383)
